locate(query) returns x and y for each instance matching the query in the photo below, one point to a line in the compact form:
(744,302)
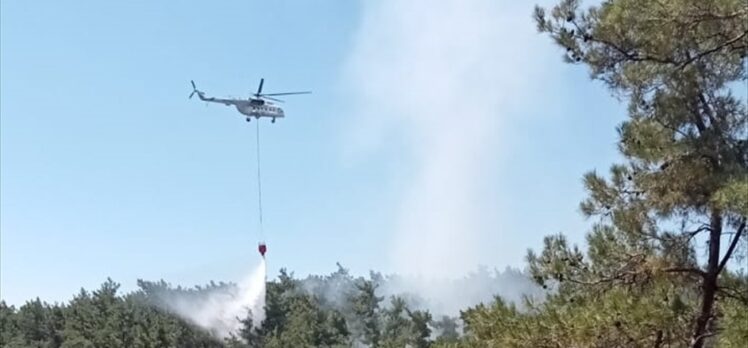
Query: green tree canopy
(661,264)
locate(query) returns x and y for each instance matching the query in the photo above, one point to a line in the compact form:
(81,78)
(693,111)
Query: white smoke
(442,80)
(220,311)
(447,297)
(440,296)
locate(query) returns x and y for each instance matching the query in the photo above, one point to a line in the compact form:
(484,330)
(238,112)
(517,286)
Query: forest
(666,254)
(335,310)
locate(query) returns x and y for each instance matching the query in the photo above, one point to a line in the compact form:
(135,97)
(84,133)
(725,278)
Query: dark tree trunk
(709,286)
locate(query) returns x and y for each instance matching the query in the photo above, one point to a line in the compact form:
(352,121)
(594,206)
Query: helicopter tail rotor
(194,89)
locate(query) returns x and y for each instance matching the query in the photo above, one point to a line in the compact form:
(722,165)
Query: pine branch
(685,270)
(733,293)
(632,56)
(698,341)
(639,57)
(707,109)
(658,339)
(712,50)
(692,234)
(731,248)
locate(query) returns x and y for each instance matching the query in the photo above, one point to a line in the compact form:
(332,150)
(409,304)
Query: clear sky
(432,128)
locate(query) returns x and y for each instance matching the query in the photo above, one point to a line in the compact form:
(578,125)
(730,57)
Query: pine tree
(32,319)
(446,327)
(365,305)
(8,326)
(395,326)
(661,265)
(685,143)
(420,327)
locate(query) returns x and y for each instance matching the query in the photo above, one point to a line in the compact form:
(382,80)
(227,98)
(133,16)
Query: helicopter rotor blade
(287,93)
(192,94)
(271,98)
(259,89)
(193,84)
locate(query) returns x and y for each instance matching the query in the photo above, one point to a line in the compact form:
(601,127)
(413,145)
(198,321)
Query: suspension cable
(259,182)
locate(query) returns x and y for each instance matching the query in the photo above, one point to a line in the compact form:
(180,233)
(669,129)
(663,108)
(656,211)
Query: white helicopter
(256,107)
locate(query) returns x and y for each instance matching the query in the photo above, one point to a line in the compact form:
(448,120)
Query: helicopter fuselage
(256,107)
(259,108)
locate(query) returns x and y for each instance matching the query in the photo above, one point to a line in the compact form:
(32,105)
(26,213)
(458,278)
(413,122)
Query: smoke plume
(440,81)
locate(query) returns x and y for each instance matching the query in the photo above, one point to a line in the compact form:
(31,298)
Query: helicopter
(257,105)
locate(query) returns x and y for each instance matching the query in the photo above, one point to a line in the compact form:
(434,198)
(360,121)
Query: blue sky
(108,170)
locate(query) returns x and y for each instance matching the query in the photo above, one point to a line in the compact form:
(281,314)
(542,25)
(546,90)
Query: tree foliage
(337,310)
(662,264)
